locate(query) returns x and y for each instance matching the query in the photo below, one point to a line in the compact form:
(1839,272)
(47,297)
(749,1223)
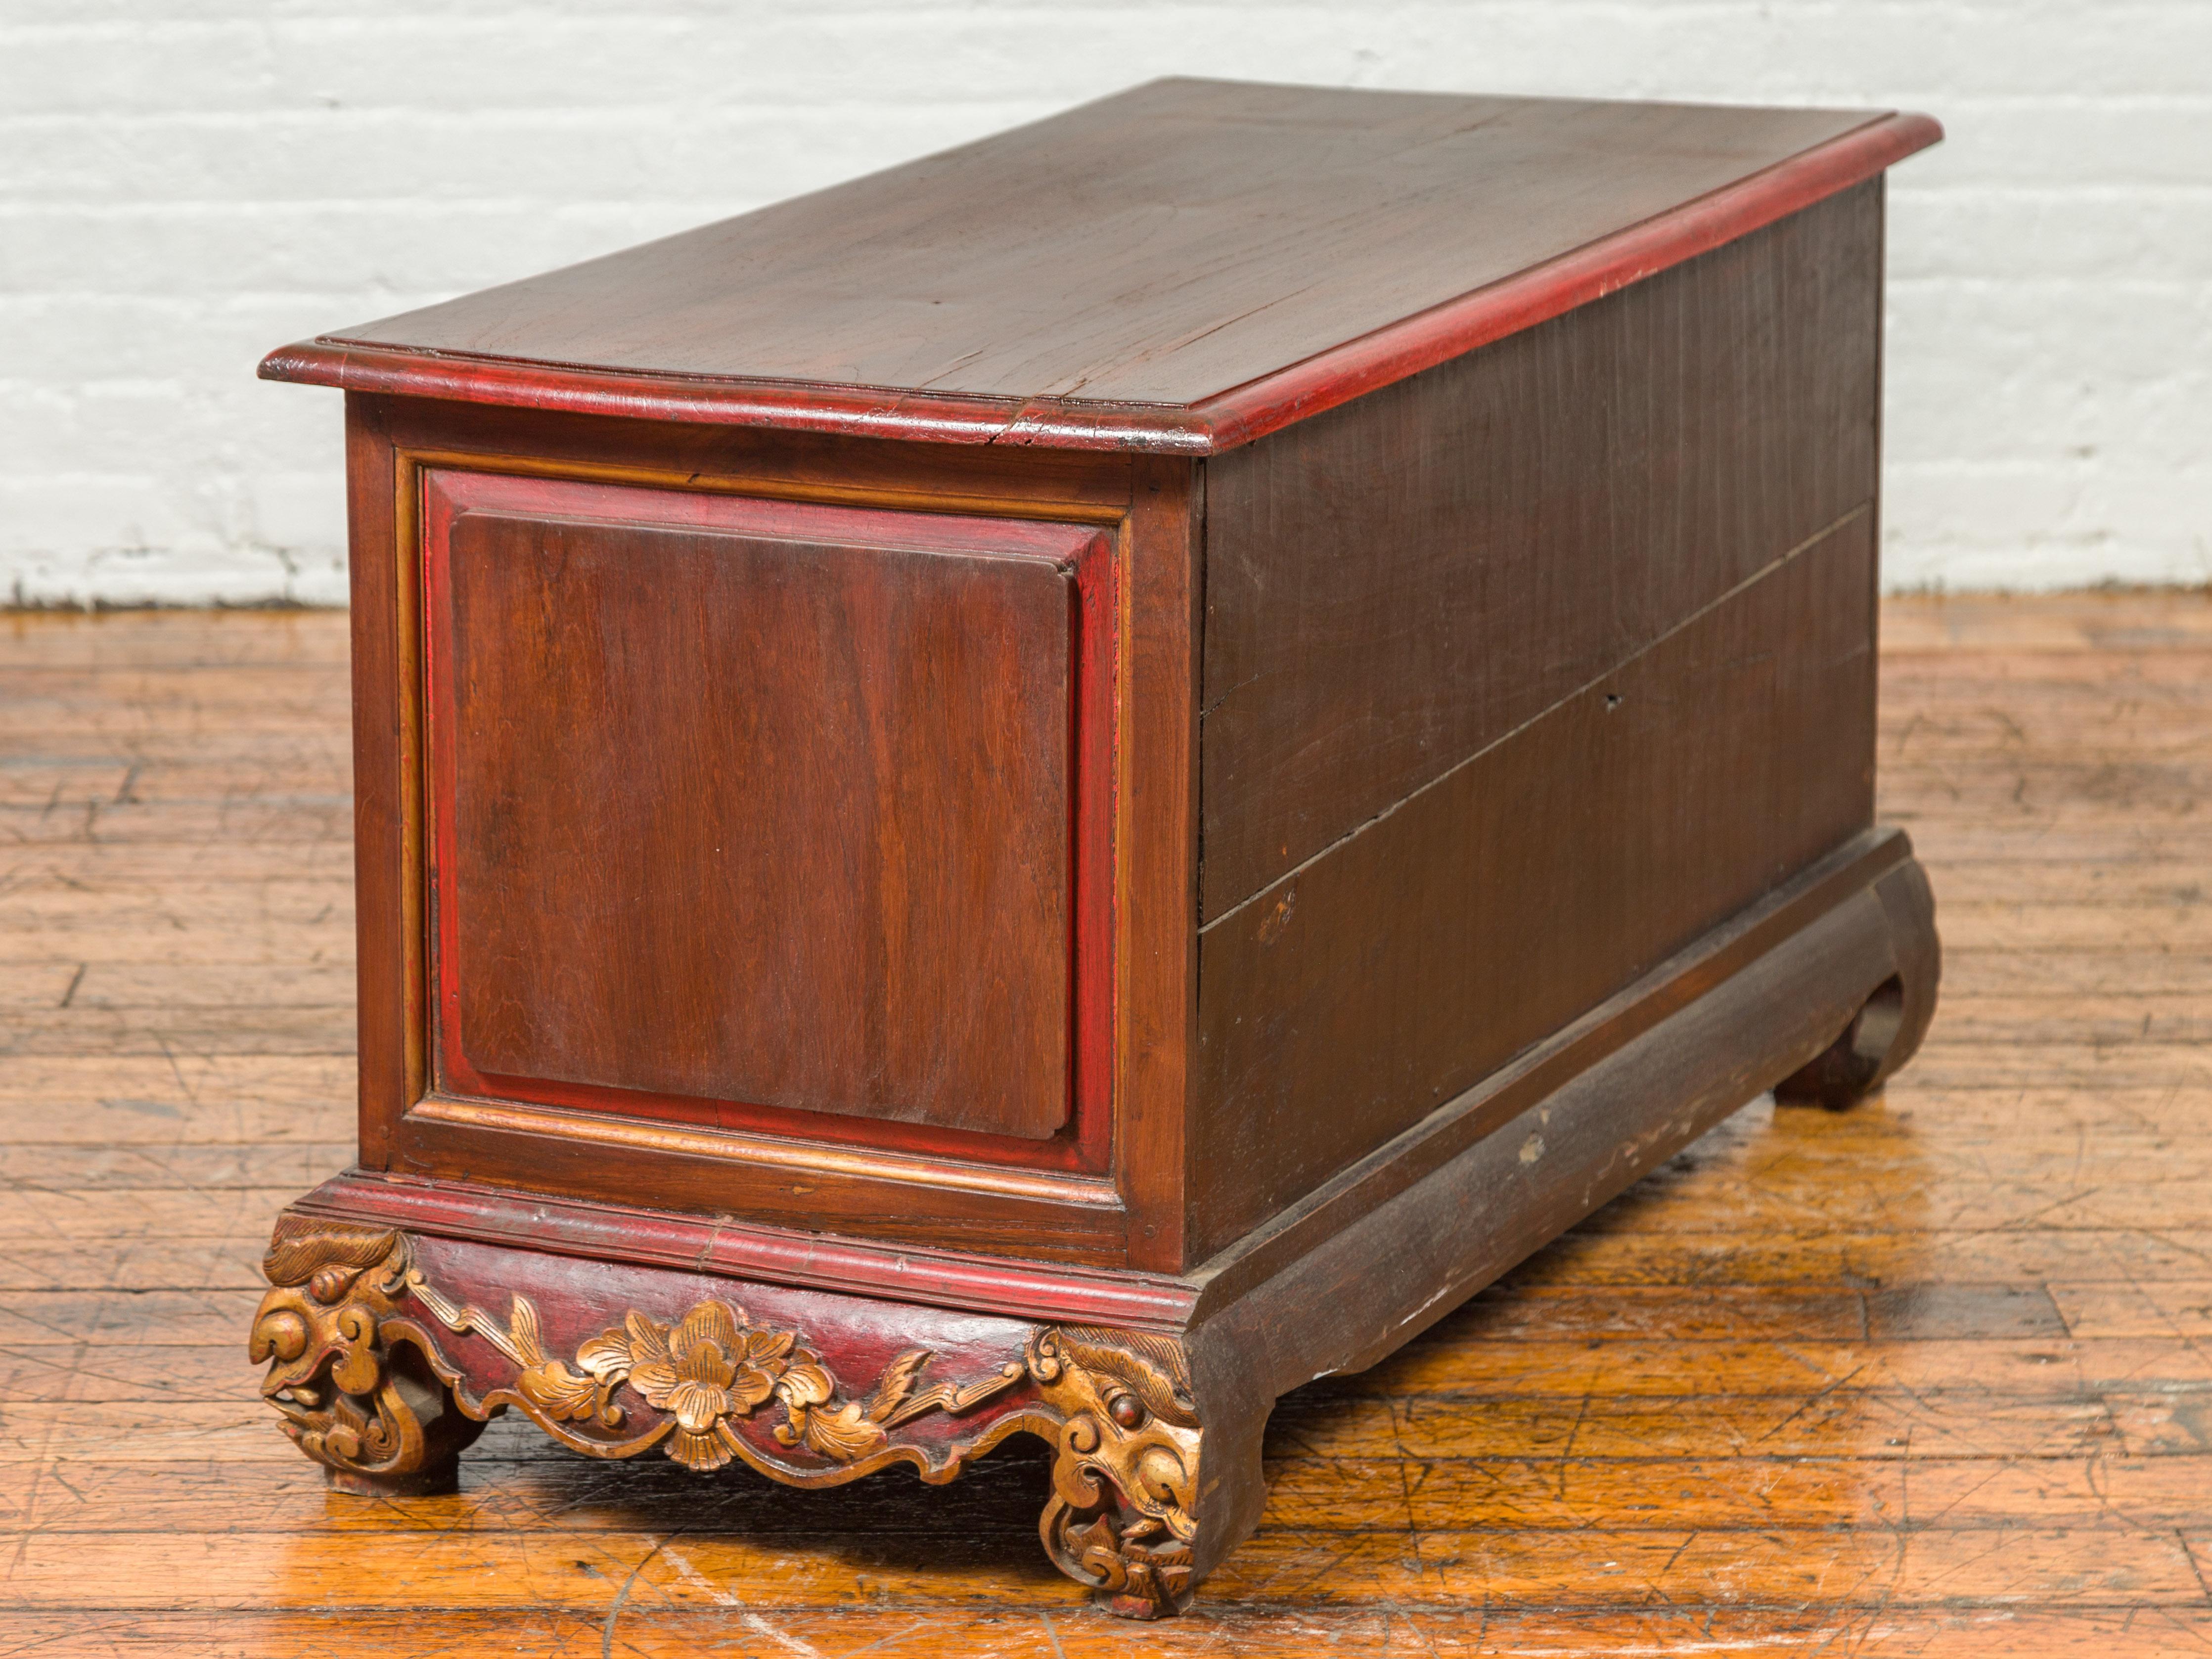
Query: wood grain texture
(1397,584)
(636,693)
(1173,241)
(1920,1378)
(1135,299)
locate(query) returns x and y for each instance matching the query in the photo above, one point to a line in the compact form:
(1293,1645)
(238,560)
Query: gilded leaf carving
(368,1389)
(708,1370)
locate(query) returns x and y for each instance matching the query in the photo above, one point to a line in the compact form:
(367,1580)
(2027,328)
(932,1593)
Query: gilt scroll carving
(1121,1515)
(376,1418)
(382,1377)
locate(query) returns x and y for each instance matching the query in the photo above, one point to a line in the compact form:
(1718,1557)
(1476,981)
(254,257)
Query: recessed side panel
(753,813)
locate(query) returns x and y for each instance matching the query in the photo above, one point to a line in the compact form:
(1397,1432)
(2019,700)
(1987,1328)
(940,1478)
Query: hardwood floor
(1933,1376)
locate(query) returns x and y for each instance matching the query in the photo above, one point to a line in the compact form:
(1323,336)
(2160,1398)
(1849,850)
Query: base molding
(402,1317)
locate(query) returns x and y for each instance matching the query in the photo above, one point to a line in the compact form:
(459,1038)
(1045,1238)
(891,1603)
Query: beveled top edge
(1220,421)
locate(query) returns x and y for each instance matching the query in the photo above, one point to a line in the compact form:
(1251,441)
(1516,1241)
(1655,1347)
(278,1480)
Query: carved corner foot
(1887,1031)
(1121,1516)
(374,1415)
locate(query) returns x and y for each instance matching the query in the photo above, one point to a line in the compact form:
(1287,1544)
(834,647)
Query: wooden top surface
(1155,249)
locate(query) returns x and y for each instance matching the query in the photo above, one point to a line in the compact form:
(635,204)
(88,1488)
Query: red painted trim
(1221,421)
(1095,713)
(1085,1145)
(796,406)
(1542,292)
(935,1278)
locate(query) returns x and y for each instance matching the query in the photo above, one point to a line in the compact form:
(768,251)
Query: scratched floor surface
(1930,1377)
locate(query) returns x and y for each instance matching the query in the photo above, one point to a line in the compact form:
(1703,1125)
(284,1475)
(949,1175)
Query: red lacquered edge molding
(1542,292)
(704,1244)
(792,406)
(1221,421)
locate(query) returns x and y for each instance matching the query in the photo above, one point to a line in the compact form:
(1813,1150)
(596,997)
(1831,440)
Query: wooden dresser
(1065,786)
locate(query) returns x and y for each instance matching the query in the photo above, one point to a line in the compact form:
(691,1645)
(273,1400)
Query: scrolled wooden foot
(1887,1028)
(1848,1069)
(374,1415)
(1121,1516)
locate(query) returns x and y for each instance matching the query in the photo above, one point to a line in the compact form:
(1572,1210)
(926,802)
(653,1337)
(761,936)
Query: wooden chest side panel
(741,802)
(1354,997)
(1398,582)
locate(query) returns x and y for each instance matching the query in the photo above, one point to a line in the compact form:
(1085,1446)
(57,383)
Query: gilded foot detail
(1119,1519)
(383,1376)
(377,1419)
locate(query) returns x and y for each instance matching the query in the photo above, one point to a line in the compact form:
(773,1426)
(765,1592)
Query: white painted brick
(184,183)
(2158,232)
(298,509)
(190,572)
(718,162)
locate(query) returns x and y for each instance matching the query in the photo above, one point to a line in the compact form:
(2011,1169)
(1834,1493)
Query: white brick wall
(186,183)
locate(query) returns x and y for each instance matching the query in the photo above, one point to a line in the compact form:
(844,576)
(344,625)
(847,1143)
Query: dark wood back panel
(1354,997)
(753,802)
(1394,584)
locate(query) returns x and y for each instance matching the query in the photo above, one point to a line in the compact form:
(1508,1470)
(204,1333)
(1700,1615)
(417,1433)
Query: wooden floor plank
(142,864)
(89,816)
(649,1631)
(1942,625)
(29,1169)
(2155,1419)
(1933,1377)
(542,1493)
(1535,1567)
(132,641)
(1469,1360)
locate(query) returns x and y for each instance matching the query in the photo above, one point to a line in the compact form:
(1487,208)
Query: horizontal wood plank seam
(1466,761)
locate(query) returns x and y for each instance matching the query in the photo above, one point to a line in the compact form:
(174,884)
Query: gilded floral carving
(367,1387)
(708,1371)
